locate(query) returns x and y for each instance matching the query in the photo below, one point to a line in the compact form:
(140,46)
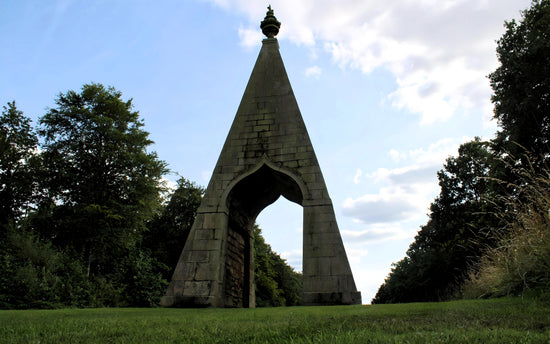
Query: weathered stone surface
(235,274)
(267,154)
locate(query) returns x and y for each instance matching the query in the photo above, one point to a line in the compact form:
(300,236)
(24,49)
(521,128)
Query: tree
(33,274)
(456,235)
(18,143)
(521,85)
(101,182)
(277,284)
(168,230)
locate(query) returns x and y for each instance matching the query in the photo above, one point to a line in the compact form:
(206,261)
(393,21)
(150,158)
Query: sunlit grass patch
(482,321)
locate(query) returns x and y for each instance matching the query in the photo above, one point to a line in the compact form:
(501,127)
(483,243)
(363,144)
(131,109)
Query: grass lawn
(508,320)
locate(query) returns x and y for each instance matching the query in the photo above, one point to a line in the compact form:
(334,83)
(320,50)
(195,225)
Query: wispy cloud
(377,233)
(249,37)
(404,193)
(293,258)
(355,254)
(389,205)
(314,72)
(357,178)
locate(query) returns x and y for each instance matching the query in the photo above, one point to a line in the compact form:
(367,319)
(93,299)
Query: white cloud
(357,178)
(370,280)
(314,72)
(249,37)
(390,205)
(378,233)
(438,51)
(206,175)
(408,175)
(404,193)
(355,254)
(171,185)
(293,258)
(395,155)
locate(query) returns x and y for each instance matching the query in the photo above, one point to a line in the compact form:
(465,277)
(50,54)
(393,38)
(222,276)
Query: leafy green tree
(521,86)
(456,235)
(168,230)
(33,274)
(18,143)
(277,284)
(101,182)
(143,280)
(267,290)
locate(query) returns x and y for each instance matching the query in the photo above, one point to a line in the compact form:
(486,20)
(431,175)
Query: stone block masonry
(267,154)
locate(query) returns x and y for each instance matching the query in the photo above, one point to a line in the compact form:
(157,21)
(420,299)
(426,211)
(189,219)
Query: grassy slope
(487,321)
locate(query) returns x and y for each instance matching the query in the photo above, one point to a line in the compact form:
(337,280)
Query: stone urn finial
(270,25)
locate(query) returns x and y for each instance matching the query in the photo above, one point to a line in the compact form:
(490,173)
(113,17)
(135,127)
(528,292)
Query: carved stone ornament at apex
(270,25)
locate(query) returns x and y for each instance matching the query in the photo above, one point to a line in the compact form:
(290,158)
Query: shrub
(520,263)
(36,275)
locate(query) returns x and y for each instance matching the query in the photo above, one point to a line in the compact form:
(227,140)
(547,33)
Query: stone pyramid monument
(267,154)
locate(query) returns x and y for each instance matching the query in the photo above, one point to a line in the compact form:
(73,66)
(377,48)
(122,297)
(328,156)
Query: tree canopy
(521,84)
(168,230)
(18,143)
(101,182)
(455,236)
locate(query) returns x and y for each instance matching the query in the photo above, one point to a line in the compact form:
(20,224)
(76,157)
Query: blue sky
(388,90)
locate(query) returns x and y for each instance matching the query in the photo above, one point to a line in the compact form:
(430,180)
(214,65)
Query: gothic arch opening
(244,202)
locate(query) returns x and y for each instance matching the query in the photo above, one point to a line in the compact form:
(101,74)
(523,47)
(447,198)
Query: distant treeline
(489,229)
(86,219)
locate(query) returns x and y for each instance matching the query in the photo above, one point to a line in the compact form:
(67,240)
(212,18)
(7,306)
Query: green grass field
(509,320)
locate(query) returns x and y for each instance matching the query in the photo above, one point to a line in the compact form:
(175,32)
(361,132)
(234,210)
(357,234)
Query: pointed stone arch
(267,154)
(257,190)
(297,196)
(246,198)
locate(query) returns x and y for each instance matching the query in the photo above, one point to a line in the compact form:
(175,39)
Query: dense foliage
(18,143)
(470,228)
(521,85)
(459,229)
(277,284)
(85,217)
(76,204)
(100,182)
(169,228)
